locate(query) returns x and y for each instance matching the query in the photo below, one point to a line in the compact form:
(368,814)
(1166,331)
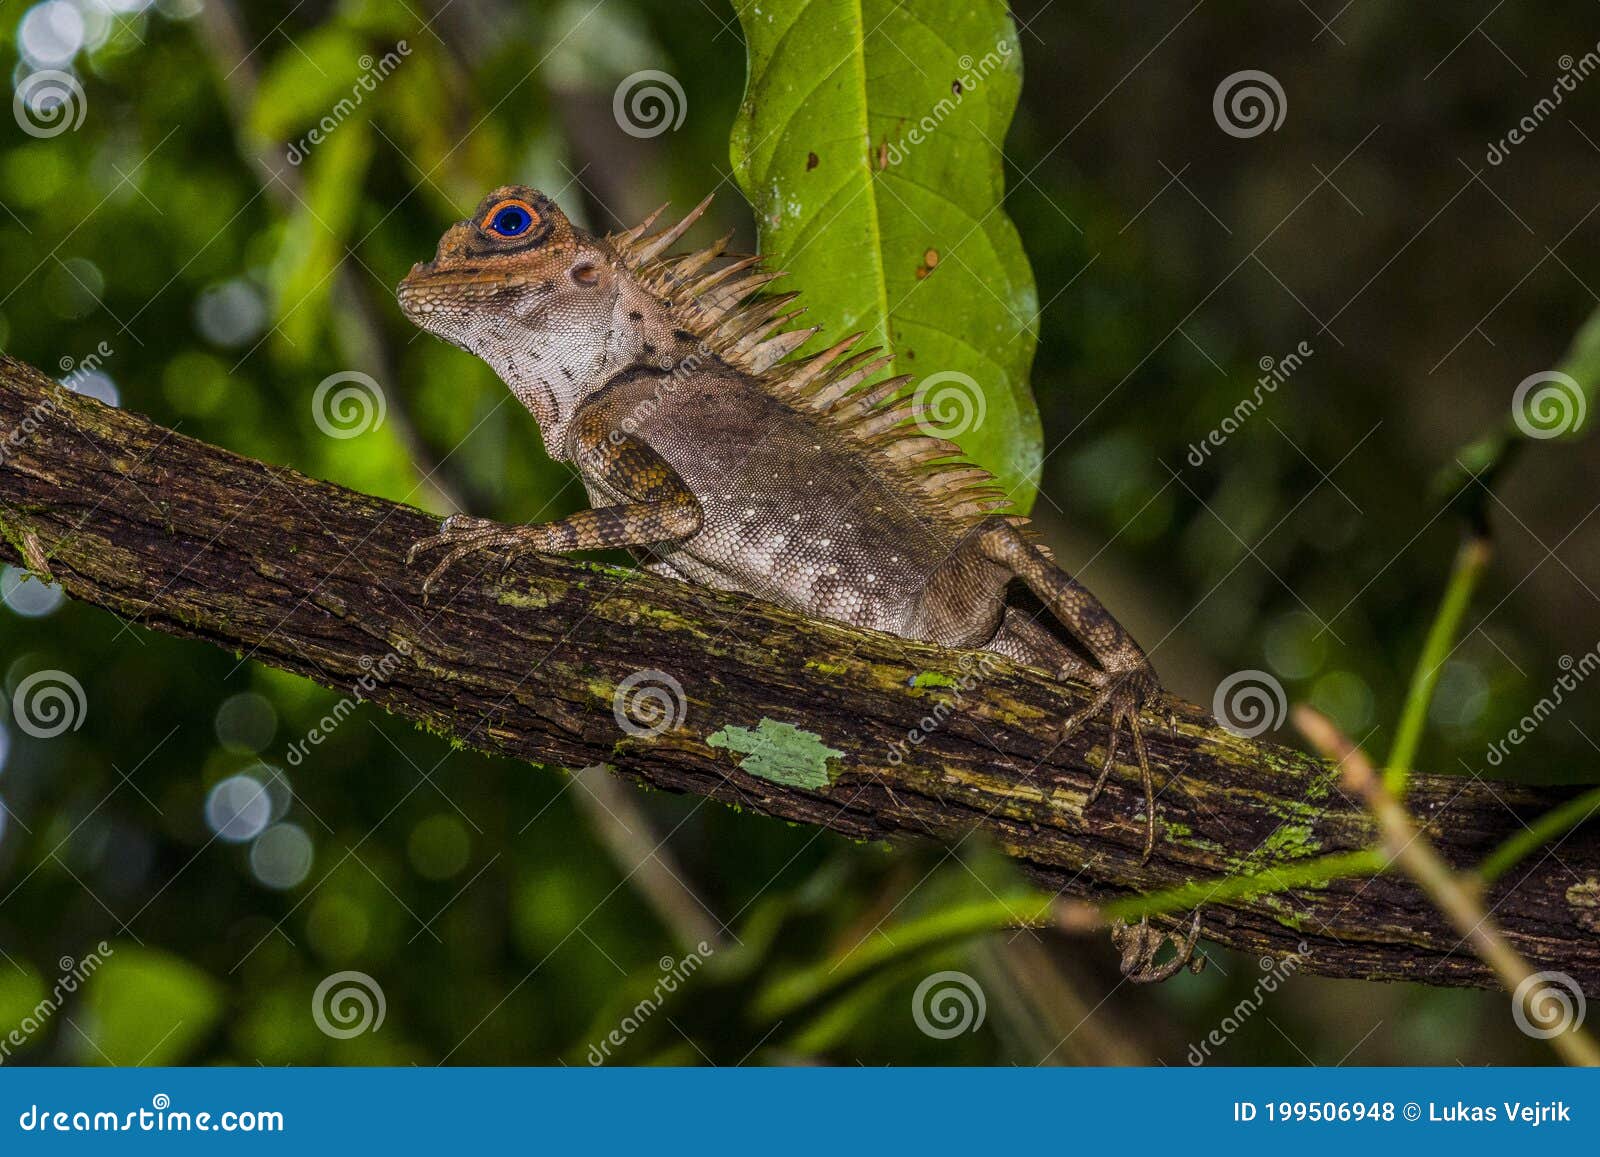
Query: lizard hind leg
(1023,637)
(1124,679)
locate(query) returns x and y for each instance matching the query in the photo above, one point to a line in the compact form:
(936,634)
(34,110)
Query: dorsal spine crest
(722,309)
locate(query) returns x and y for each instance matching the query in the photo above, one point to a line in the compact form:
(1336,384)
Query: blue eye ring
(510,218)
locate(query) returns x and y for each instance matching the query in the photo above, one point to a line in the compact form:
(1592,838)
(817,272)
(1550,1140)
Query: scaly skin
(709,472)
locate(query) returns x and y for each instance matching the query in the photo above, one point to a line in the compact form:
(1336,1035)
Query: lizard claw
(452,529)
(1139,944)
(1110,760)
(444,564)
(1125,693)
(464,534)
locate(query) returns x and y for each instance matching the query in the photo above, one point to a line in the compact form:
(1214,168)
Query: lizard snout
(414,280)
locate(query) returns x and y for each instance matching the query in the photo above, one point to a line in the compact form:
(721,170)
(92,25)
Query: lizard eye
(510,219)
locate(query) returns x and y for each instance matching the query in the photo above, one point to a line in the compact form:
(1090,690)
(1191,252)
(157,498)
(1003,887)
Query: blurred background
(197,878)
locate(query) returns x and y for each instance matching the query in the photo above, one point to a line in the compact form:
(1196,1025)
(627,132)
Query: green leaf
(304,81)
(148,1008)
(315,239)
(21,990)
(869,143)
(1559,405)
(1570,408)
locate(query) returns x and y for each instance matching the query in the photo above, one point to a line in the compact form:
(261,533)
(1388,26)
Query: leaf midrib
(864,155)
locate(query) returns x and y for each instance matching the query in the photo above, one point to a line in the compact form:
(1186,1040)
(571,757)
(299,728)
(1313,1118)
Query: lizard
(717,457)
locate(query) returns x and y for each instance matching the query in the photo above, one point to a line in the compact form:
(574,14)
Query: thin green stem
(881,948)
(1471,560)
(1451,892)
(1297,874)
(1555,822)
(885,947)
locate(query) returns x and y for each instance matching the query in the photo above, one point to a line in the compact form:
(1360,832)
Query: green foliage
(148,1008)
(869,144)
(297,89)
(499,923)
(20,992)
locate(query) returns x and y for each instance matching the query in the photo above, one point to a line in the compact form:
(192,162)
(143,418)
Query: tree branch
(310,577)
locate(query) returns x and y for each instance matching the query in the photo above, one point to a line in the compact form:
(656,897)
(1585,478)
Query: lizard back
(792,512)
(724,311)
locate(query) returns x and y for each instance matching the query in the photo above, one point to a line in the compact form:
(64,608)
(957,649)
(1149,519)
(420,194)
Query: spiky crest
(724,310)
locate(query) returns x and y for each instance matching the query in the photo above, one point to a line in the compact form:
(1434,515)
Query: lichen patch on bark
(780,752)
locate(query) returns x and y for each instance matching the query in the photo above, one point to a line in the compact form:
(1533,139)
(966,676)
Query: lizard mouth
(427,275)
(428,291)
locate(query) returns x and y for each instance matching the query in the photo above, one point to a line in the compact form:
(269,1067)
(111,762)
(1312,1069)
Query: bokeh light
(246,722)
(239,808)
(28,595)
(281,856)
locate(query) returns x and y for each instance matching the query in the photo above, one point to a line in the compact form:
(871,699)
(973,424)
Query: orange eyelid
(517,202)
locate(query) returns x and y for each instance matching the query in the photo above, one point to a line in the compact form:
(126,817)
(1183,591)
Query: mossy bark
(795,718)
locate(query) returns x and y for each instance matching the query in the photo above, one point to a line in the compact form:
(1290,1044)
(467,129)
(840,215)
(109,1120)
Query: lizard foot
(1139,943)
(1123,694)
(463,534)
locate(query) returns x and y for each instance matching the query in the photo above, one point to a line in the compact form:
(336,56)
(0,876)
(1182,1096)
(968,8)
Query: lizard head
(532,295)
